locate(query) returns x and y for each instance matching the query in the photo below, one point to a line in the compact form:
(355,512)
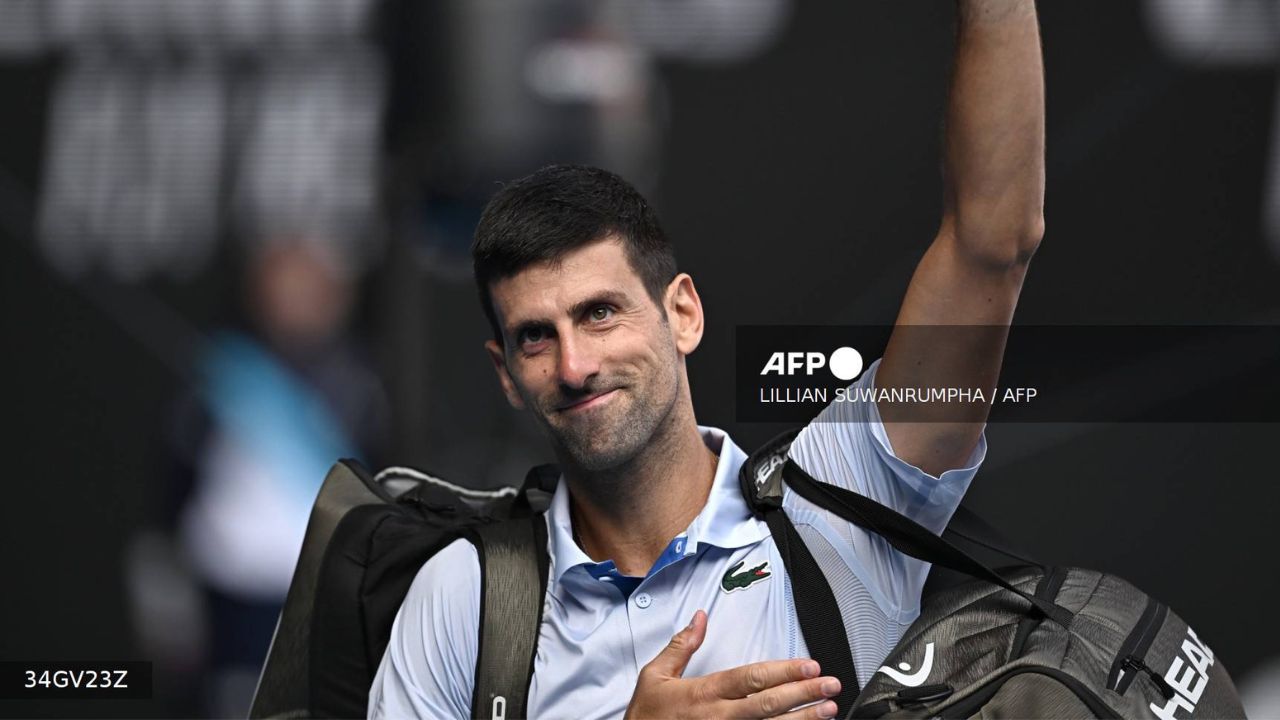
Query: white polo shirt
(599,629)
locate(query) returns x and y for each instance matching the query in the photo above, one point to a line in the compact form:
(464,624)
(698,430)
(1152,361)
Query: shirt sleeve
(428,670)
(847,445)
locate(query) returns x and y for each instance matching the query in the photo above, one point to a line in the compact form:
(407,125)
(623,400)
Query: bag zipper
(1131,667)
(1134,649)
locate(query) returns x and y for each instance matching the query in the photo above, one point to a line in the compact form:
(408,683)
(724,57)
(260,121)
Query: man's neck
(631,516)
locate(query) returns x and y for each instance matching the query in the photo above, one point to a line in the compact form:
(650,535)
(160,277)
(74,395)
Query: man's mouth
(588,402)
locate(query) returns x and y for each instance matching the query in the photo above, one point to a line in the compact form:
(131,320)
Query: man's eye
(532,335)
(601,312)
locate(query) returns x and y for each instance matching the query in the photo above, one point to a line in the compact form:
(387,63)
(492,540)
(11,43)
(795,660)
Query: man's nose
(578,361)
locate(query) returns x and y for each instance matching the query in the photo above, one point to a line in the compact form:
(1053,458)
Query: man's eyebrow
(616,298)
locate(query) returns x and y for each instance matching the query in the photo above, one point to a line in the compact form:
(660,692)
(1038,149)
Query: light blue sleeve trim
(936,497)
(847,445)
(428,670)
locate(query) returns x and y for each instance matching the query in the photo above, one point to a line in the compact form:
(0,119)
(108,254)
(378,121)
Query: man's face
(589,352)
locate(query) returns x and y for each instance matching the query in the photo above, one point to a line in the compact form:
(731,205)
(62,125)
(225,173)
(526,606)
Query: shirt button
(643,600)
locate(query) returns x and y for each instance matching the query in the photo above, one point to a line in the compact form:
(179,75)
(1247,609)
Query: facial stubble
(615,435)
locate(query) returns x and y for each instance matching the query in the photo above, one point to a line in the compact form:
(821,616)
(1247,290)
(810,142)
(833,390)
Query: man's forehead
(550,288)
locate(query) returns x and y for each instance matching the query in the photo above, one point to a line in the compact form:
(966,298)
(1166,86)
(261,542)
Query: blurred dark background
(152,164)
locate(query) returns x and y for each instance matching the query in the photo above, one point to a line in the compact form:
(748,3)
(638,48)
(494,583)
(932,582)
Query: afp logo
(845,363)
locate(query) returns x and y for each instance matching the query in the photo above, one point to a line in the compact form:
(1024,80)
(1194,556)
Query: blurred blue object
(277,417)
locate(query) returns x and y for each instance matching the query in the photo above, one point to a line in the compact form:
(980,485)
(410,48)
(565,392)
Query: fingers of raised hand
(781,699)
(772,688)
(820,711)
(745,680)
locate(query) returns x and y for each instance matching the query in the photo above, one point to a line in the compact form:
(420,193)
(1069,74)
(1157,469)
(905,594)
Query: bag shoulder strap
(514,566)
(906,535)
(763,479)
(770,468)
(815,603)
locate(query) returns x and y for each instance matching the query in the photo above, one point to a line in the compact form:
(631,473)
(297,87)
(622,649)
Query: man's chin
(596,451)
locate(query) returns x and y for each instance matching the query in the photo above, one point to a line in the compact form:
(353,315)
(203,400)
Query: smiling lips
(589,402)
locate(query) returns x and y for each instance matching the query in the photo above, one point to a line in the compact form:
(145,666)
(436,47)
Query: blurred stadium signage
(176,122)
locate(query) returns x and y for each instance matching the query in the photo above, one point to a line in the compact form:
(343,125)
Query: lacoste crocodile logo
(915,679)
(745,579)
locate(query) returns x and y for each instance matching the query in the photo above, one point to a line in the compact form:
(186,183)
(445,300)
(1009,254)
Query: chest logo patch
(734,580)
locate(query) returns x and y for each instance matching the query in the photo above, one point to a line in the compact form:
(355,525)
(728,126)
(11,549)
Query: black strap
(968,525)
(815,607)
(1048,587)
(906,535)
(513,582)
(535,495)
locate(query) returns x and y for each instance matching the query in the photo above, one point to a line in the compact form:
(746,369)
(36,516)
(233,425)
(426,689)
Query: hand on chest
(591,629)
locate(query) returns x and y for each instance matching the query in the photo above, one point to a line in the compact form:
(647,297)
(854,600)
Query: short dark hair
(541,217)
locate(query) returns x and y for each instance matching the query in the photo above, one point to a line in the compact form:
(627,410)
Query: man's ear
(684,313)
(504,378)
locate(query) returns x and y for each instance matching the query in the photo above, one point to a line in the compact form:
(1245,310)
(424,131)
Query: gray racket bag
(1027,641)
(980,651)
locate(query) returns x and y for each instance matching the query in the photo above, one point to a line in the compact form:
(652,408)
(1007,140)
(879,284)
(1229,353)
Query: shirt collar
(725,521)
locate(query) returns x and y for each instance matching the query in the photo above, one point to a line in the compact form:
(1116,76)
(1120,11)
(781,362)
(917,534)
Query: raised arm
(992,224)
